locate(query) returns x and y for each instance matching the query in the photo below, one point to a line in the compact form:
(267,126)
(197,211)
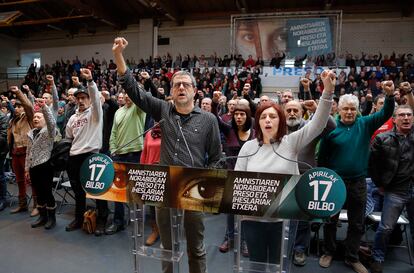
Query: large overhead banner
(309,36)
(295,34)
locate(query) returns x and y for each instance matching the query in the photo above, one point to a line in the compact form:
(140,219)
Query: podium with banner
(263,204)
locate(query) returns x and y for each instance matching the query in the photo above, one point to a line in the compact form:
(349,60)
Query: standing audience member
(70,107)
(19,127)
(189,137)
(84,128)
(125,146)
(151,155)
(37,167)
(267,153)
(238,132)
(4,123)
(338,151)
(294,120)
(392,169)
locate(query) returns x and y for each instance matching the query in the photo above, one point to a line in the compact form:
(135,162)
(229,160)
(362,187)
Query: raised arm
(405,88)
(379,118)
(118,47)
(48,116)
(314,128)
(135,91)
(27,105)
(55,96)
(97,112)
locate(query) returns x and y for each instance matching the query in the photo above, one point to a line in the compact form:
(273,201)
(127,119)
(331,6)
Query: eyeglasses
(185,84)
(403,115)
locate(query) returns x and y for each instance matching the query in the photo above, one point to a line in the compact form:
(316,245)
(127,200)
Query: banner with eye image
(318,193)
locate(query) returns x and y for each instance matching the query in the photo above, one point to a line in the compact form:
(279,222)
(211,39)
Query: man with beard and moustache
(294,121)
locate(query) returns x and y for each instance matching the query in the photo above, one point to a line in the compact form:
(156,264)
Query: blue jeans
(393,206)
(302,229)
(133,157)
(374,198)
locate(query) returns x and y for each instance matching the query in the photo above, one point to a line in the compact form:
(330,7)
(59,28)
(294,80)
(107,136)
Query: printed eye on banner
(97,174)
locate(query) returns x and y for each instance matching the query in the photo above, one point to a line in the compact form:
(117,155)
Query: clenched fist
(145,75)
(41,102)
(306,83)
(405,88)
(50,79)
(14,89)
(119,45)
(329,81)
(86,73)
(388,87)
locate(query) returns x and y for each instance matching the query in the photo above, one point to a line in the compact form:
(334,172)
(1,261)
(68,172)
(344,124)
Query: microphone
(236,156)
(140,135)
(177,117)
(272,141)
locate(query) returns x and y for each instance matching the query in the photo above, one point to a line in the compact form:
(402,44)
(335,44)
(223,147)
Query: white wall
(372,36)
(54,46)
(196,40)
(9,52)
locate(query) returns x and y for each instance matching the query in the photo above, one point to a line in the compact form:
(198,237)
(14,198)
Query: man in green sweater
(125,146)
(346,151)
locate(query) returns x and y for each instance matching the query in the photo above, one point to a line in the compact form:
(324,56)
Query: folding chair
(60,183)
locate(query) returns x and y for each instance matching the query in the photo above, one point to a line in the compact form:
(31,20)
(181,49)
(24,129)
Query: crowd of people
(348,122)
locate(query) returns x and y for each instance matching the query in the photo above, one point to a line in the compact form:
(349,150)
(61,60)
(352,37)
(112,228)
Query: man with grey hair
(264,99)
(52,100)
(70,107)
(189,137)
(346,151)
(206,104)
(287,96)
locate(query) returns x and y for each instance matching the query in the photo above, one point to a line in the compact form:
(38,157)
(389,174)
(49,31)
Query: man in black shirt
(188,135)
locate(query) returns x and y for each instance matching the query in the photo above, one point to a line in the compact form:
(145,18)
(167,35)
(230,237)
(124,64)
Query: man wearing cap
(84,128)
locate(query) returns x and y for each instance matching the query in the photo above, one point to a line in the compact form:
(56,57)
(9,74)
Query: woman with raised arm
(37,167)
(273,151)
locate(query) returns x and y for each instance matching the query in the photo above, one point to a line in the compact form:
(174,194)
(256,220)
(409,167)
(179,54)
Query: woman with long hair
(238,132)
(38,168)
(273,151)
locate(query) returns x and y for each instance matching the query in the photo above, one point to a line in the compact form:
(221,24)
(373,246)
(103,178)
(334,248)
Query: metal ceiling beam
(242,6)
(45,21)
(15,3)
(170,10)
(97,10)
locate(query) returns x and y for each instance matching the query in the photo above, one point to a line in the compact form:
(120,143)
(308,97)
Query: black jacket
(4,124)
(384,160)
